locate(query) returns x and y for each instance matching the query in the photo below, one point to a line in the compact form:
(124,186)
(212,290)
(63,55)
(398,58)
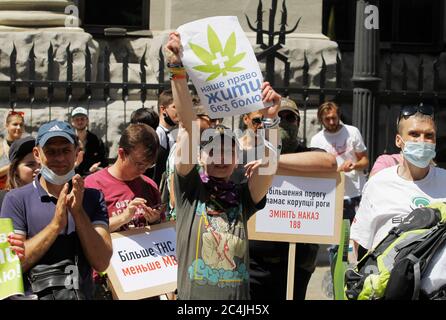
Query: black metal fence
(308,95)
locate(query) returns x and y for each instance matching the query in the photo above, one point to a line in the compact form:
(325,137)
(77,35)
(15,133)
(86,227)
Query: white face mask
(419,154)
(53,178)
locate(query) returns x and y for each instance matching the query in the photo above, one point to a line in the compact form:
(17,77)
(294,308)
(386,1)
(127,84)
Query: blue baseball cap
(53,129)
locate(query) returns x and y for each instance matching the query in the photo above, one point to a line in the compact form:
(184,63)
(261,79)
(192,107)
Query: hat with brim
(218,134)
(287,104)
(79,111)
(54,129)
(200,110)
(21,147)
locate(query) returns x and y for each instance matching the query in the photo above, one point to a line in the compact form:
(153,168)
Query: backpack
(394,268)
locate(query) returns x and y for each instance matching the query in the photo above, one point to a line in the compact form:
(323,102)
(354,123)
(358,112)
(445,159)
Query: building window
(131,15)
(405,25)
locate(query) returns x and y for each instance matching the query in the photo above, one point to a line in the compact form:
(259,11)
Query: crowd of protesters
(65,199)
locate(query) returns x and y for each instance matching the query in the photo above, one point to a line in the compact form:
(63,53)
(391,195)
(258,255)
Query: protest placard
(301,207)
(144,262)
(222,65)
(11,281)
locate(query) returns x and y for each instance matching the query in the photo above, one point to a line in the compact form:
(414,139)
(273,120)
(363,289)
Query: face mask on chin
(288,134)
(420,154)
(169,120)
(50,176)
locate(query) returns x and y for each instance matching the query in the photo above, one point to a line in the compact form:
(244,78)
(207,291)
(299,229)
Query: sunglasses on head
(289,117)
(408,111)
(257,120)
(16,113)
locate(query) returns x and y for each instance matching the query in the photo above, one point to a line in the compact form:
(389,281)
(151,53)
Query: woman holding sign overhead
(212,211)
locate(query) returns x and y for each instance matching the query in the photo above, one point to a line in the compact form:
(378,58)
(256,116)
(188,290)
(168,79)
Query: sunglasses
(257,120)
(290,117)
(16,113)
(408,111)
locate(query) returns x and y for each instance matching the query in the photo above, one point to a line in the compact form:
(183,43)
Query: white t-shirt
(387,199)
(343,145)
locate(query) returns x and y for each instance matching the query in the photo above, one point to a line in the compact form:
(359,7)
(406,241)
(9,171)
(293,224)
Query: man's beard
(288,134)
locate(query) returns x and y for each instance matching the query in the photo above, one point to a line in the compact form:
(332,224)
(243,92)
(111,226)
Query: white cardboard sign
(301,208)
(144,262)
(222,65)
(299,205)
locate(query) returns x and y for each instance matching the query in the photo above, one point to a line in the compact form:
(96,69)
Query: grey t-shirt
(212,249)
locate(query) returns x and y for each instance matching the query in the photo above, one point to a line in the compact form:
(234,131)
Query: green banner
(11,281)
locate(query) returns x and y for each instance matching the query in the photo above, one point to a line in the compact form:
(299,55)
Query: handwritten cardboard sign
(222,65)
(301,207)
(144,262)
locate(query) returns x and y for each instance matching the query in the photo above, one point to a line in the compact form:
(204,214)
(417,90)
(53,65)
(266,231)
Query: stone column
(34,13)
(365,71)
(36,25)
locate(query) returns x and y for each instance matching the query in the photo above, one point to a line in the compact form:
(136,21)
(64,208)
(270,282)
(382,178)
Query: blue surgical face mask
(53,178)
(420,154)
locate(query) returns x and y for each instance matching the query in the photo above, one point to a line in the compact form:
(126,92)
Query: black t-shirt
(260,251)
(94,152)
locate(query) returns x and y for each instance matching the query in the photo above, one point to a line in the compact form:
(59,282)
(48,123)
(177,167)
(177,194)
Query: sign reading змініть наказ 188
(222,65)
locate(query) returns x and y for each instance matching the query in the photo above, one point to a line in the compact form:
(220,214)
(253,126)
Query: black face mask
(288,134)
(168,120)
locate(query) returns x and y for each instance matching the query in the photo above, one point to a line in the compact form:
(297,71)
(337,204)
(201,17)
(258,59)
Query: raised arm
(260,173)
(183,104)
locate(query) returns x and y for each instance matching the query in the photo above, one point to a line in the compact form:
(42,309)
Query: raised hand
(76,196)
(173,49)
(60,215)
(269,95)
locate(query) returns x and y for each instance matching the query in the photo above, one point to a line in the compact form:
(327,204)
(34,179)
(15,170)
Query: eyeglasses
(289,117)
(144,165)
(408,111)
(16,113)
(257,121)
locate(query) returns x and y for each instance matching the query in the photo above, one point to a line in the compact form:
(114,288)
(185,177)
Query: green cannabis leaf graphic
(220,60)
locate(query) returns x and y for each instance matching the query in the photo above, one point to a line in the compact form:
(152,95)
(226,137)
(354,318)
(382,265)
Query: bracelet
(177,72)
(271,123)
(175,65)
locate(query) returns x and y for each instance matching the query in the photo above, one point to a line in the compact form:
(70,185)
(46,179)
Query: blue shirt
(31,209)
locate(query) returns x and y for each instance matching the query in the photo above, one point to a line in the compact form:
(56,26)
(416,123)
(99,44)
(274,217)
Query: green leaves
(219,61)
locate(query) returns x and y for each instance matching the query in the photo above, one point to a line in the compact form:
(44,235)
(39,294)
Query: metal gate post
(365,72)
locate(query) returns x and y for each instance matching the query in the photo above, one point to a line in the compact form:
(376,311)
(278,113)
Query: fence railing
(309,93)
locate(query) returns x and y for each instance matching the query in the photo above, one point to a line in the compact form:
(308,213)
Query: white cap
(79,110)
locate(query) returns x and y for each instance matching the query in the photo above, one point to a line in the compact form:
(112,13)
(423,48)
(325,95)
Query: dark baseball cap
(53,129)
(21,147)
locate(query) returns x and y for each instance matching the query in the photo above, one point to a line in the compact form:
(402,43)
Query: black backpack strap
(416,275)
